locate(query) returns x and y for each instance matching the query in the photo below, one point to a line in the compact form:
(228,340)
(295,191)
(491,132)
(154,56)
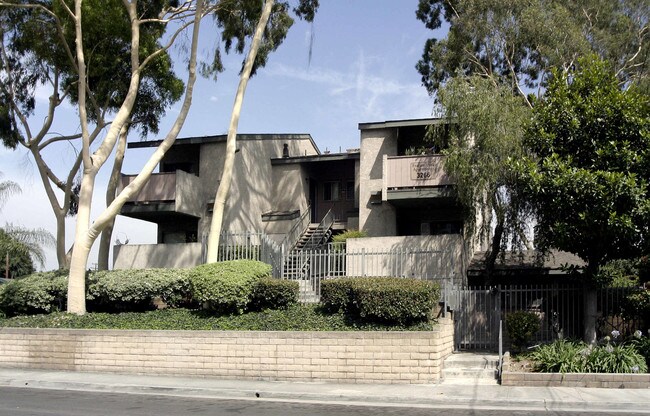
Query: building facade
(394,188)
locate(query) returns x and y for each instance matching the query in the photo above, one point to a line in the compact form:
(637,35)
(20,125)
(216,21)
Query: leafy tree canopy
(588,177)
(484,136)
(39,49)
(520,40)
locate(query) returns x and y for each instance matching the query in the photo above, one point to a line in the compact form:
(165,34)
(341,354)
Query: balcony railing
(415,171)
(159,187)
(181,188)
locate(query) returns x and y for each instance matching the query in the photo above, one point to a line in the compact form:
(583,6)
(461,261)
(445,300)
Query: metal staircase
(297,264)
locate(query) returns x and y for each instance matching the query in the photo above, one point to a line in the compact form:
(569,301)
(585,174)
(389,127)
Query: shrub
(642,345)
(381,299)
(335,294)
(560,356)
(271,293)
(37,293)
(521,327)
(342,238)
(226,286)
(135,290)
(644,269)
(571,357)
(637,305)
(295,318)
(615,359)
(395,299)
(618,273)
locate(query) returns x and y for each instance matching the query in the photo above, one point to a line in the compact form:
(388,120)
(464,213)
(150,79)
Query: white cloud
(362,90)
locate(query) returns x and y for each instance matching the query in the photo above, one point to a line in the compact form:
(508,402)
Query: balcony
(170,192)
(415,177)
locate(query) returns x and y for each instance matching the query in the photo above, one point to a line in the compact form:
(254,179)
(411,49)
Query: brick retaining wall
(348,357)
(619,381)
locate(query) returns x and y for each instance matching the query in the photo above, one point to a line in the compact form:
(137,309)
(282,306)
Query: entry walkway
(436,396)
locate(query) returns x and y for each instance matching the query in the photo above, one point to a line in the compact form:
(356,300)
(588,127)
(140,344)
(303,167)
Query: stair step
(471,373)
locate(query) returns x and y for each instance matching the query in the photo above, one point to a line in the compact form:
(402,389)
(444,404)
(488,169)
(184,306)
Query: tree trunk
(107,233)
(61,254)
(86,234)
(590,310)
(226,175)
(495,246)
(82,246)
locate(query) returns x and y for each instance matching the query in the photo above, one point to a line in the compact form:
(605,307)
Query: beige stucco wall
(142,256)
(343,357)
(251,190)
(375,219)
(290,188)
(188,200)
(447,263)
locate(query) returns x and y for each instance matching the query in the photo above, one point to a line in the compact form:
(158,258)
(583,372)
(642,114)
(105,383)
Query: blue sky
(362,69)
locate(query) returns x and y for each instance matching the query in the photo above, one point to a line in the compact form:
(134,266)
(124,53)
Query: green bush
(227,287)
(295,318)
(37,293)
(395,299)
(615,359)
(644,268)
(521,327)
(637,306)
(642,345)
(381,299)
(342,238)
(271,293)
(563,356)
(335,294)
(560,356)
(135,290)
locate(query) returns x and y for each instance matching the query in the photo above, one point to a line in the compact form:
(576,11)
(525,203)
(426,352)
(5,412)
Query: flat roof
(401,123)
(219,138)
(325,157)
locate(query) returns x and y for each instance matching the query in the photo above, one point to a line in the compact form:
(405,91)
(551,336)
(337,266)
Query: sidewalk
(472,396)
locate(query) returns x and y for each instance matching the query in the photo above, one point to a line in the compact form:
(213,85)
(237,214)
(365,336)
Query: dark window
(332,191)
(349,192)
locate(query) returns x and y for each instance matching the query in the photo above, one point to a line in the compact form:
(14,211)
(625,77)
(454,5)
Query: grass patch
(294,318)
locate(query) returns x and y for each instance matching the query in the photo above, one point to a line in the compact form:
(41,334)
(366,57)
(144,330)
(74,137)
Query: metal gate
(476,319)
(479,310)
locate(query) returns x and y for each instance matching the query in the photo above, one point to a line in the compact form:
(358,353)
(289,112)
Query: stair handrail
(325,224)
(296,230)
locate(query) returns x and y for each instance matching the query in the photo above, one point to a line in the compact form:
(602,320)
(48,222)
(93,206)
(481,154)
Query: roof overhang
(221,138)
(316,158)
(401,123)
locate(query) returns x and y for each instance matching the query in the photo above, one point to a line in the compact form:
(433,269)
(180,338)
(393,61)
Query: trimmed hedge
(336,294)
(521,327)
(381,299)
(271,293)
(37,293)
(227,287)
(136,290)
(294,318)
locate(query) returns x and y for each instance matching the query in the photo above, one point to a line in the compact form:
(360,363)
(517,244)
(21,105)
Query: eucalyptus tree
(519,41)
(235,20)
(588,178)
(37,55)
(261,46)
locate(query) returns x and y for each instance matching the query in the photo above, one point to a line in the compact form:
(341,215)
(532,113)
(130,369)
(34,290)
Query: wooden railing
(415,171)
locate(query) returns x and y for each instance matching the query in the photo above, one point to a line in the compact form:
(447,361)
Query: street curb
(331,398)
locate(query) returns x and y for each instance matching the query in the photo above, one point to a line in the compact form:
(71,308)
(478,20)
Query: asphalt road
(38,402)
